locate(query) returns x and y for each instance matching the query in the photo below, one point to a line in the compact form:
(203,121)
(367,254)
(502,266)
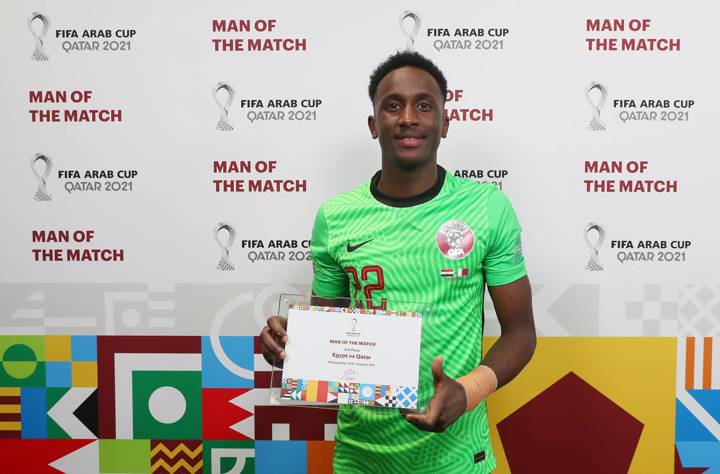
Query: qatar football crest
(455,239)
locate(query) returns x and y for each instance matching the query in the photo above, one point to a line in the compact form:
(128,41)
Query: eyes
(395,106)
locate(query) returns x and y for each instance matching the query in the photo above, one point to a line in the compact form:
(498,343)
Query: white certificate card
(352,356)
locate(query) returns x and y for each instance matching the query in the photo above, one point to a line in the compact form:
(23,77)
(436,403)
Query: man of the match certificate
(352,356)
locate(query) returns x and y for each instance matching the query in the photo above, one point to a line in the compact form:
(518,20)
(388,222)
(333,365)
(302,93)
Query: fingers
(270,344)
(432,419)
(428,421)
(437,370)
(278,325)
(273,338)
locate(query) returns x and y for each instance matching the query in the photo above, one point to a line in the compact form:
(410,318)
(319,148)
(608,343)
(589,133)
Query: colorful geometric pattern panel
(11,413)
(176,456)
(237,457)
(697,432)
(294,423)
(565,402)
(22,361)
(228,362)
(228,413)
(347,393)
(122,387)
(178,404)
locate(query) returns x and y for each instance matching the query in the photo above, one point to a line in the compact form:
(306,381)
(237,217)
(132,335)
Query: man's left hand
(447,404)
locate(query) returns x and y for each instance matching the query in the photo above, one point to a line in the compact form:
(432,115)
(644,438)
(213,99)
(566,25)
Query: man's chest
(404,251)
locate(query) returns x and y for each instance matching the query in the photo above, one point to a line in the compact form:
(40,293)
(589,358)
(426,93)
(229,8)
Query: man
(417,233)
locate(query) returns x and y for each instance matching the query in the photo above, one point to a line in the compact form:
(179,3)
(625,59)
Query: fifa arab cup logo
(594,264)
(42,193)
(39,54)
(455,239)
(596,124)
(224,124)
(225,263)
(414,29)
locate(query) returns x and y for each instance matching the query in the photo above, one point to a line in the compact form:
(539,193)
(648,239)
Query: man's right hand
(273,338)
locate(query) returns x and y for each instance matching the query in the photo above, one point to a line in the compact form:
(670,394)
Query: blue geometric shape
(240,350)
(709,400)
(689,428)
(407,396)
(33,412)
(700,454)
(272,457)
(58,374)
(83,348)
(366,392)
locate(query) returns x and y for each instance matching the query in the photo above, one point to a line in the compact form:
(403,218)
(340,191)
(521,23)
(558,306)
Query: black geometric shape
(87,412)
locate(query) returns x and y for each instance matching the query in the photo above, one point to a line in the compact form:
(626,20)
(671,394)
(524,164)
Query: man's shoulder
(349,198)
(467,188)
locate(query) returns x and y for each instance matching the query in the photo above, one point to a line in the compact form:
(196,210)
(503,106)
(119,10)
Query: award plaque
(339,353)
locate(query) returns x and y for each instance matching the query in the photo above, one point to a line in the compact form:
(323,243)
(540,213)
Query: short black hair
(406,59)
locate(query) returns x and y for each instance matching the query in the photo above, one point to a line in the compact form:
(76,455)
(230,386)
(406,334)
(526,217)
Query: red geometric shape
(265,378)
(16,418)
(257,345)
(320,456)
(262,379)
(218,413)
(322,391)
(679,469)
(23,456)
(108,346)
(570,427)
(306,423)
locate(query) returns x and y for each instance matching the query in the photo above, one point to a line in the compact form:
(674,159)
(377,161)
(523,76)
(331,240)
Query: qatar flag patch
(450,273)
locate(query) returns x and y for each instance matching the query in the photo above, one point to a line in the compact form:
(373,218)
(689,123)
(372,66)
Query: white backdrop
(534,83)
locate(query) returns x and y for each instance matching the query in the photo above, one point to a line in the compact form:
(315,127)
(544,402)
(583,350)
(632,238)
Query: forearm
(504,361)
(510,353)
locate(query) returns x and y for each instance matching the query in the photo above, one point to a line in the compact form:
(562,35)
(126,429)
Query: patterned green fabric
(402,261)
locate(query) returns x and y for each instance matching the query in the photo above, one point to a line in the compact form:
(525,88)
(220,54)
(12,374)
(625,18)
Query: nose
(409,115)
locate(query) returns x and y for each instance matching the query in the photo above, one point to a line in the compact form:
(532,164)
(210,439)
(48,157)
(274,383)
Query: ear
(371,126)
(446,124)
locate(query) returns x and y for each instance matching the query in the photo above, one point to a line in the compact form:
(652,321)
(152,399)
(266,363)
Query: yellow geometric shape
(9,391)
(9,426)
(637,373)
(57,348)
(162,466)
(161,448)
(173,466)
(84,374)
(312,389)
(9,408)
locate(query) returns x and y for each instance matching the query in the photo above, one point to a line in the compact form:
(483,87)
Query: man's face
(409,120)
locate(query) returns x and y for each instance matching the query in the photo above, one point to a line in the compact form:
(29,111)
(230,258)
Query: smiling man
(415,233)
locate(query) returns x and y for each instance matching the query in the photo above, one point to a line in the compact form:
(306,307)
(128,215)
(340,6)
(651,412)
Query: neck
(401,183)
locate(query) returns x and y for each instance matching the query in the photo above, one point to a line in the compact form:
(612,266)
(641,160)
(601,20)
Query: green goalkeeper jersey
(438,248)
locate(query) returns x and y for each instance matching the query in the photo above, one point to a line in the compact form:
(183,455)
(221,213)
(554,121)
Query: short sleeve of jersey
(504,262)
(329,279)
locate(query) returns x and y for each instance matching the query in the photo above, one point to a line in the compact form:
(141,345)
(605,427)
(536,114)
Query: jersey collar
(421,198)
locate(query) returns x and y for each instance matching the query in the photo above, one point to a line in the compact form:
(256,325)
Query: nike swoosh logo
(352,248)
